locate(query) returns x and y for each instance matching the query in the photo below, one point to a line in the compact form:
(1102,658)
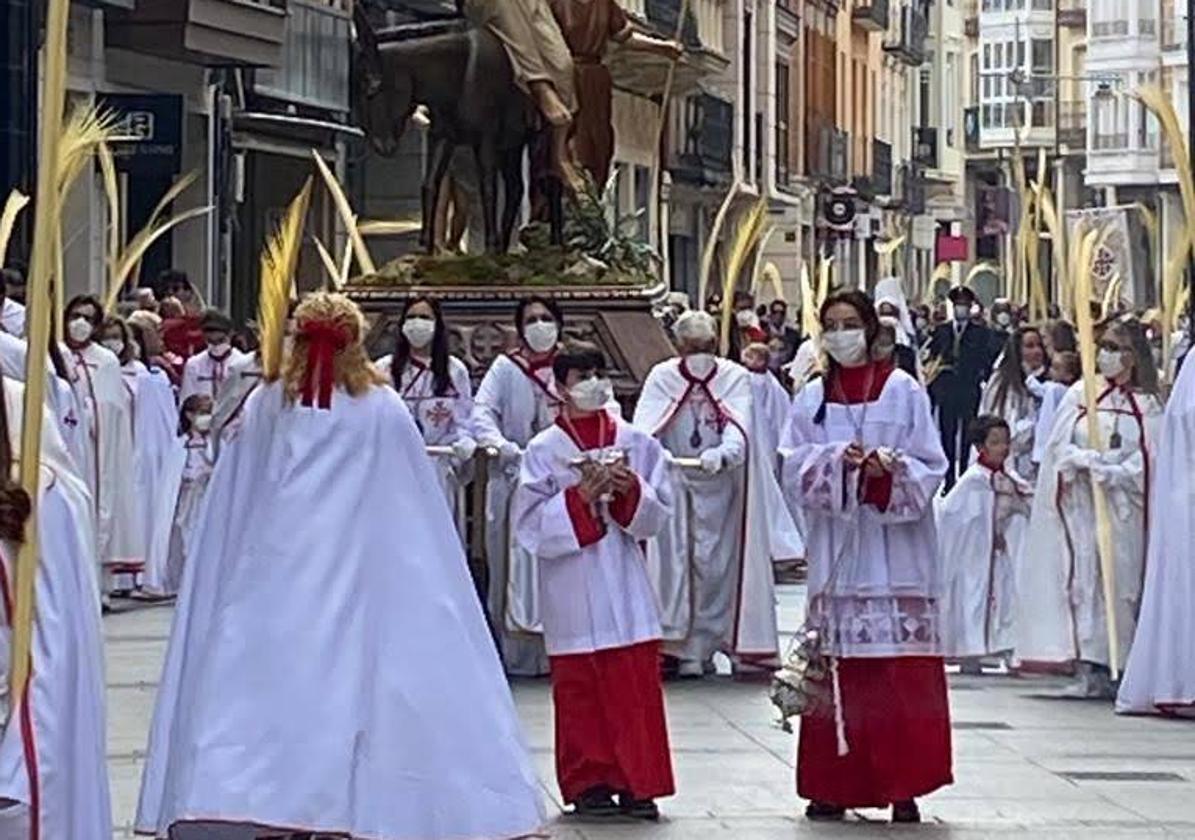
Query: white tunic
(204,373)
(771,404)
(877,572)
(67,702)
(108,461)
(981,528)
(712,568)
(244,375)
(1051,394)
(12,318)
(61,402)
(1020,412)
(513,403)
(322,675)
(599,596)
(1061,603)
(1161,666)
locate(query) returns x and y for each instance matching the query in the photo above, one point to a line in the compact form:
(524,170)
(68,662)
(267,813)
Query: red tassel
(324,340)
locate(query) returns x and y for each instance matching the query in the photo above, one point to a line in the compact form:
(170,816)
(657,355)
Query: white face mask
(541,336)
(79,330)
(419,331)
(114,344)
(1110,363)
(891,321)
(219,350)
(202,423)
(591,394)
(746,318)
(847,347)
(700,364)
(962,313)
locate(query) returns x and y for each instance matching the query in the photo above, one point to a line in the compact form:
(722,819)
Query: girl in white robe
(1065,371)
(863,458)
(1160,674)
(981,527)
(1011,394)
(1061,617)
(324,676)
(193,468)
(53,757)
(436,388)
(515,401)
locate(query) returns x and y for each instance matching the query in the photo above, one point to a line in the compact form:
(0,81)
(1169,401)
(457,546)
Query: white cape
(754,630)
(329,668)
(1161,667)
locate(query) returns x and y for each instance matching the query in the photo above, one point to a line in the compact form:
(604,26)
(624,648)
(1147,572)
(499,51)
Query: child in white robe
(195,423)
(981,524)
(592,488)
(1064,372)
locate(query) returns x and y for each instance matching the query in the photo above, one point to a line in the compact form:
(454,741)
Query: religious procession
(510,512)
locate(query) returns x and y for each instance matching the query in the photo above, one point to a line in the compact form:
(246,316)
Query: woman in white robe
(323,676)
(53,758)
(1011,394)
(1160,674)
(1061,617)
(436,388)
(515,401)
(863,459)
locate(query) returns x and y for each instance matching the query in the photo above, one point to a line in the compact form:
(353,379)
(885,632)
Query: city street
(1026,765)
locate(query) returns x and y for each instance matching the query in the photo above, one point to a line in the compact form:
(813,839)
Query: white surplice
(1020,412)
(326,672)
(1051,394)
(243,376)
(205,374)
(598,596)
(514,402)
(12,318)
(61,402)
(1160,674)
(443,419)
(62,726)
(712,567)
(1059,582)
(881,567)
(186,471)
(108,461)
(770,406)
(981,528)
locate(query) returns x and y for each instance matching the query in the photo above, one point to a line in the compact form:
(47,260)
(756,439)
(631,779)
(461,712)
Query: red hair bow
(324,340)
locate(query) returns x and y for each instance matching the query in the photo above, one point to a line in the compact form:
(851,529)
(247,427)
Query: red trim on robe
(897,718)
(611,728)
(587,527)
(850,385)
(594,431)
(625,505)
(876,492)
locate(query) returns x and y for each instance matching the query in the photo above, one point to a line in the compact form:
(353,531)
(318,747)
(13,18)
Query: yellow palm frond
(347,216)
(279,259)
(85,130)
(138,245)
(810,324)
(388,227)
(746,236)
(329,265)
(8,219)
(112,194)
(711,242)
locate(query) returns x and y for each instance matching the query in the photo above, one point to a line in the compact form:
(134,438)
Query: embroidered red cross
(440,414)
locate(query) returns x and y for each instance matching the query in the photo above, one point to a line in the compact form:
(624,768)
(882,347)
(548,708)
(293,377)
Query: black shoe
(823,812)
(598,802)
(906,812)
(640,809)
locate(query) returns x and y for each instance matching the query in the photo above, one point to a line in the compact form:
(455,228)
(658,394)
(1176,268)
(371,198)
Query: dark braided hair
(863,305)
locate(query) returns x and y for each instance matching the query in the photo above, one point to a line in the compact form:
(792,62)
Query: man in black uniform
(965,350)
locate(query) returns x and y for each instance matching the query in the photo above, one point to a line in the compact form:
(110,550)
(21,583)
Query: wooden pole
(45,222)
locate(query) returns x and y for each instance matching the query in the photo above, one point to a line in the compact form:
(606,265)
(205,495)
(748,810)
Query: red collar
(983,460)
(858,384)
(596,431)
(694,378)
(534,364)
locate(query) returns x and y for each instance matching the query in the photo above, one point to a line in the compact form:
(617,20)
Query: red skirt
(610,724)
(897,718)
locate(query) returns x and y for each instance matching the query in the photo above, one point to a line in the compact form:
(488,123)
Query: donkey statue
(464,78)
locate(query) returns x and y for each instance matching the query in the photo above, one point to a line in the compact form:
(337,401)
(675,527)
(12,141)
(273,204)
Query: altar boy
(591,490)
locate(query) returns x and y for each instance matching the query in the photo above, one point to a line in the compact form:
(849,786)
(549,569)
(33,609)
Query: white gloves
(712,461)
(509,452)
(463,448)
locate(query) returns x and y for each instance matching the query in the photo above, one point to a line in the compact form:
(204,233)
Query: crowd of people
(934,471)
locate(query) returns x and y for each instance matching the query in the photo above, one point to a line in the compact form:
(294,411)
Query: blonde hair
(351,368)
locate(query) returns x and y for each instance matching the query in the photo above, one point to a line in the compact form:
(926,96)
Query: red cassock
(611,728)
(895,710)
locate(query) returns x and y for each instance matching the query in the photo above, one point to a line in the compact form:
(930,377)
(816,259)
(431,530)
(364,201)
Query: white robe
(443,420)
(12,318)
(771,404)
(877,571)
(186,471)
(1161,666)
(1020,412)
(327,673)
(712,568)
(598,596)
(108,459)
(1051,394)
(1061,595)
(67,706)
(979,594)
(205,374)
(60,397)
(243,377)
(513,404)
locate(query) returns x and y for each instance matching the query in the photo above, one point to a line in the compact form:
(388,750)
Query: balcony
(1072,124)
(871,15)
(1110,29)
(925,146)
(705,54)
(315,57)
(1073,13)
(828,151)
(702,154)
(205,32)
(909,48)
(1109,141)
(971,129)
(1174,32)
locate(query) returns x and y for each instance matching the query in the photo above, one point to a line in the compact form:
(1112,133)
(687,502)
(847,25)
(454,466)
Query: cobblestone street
(1026,764)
